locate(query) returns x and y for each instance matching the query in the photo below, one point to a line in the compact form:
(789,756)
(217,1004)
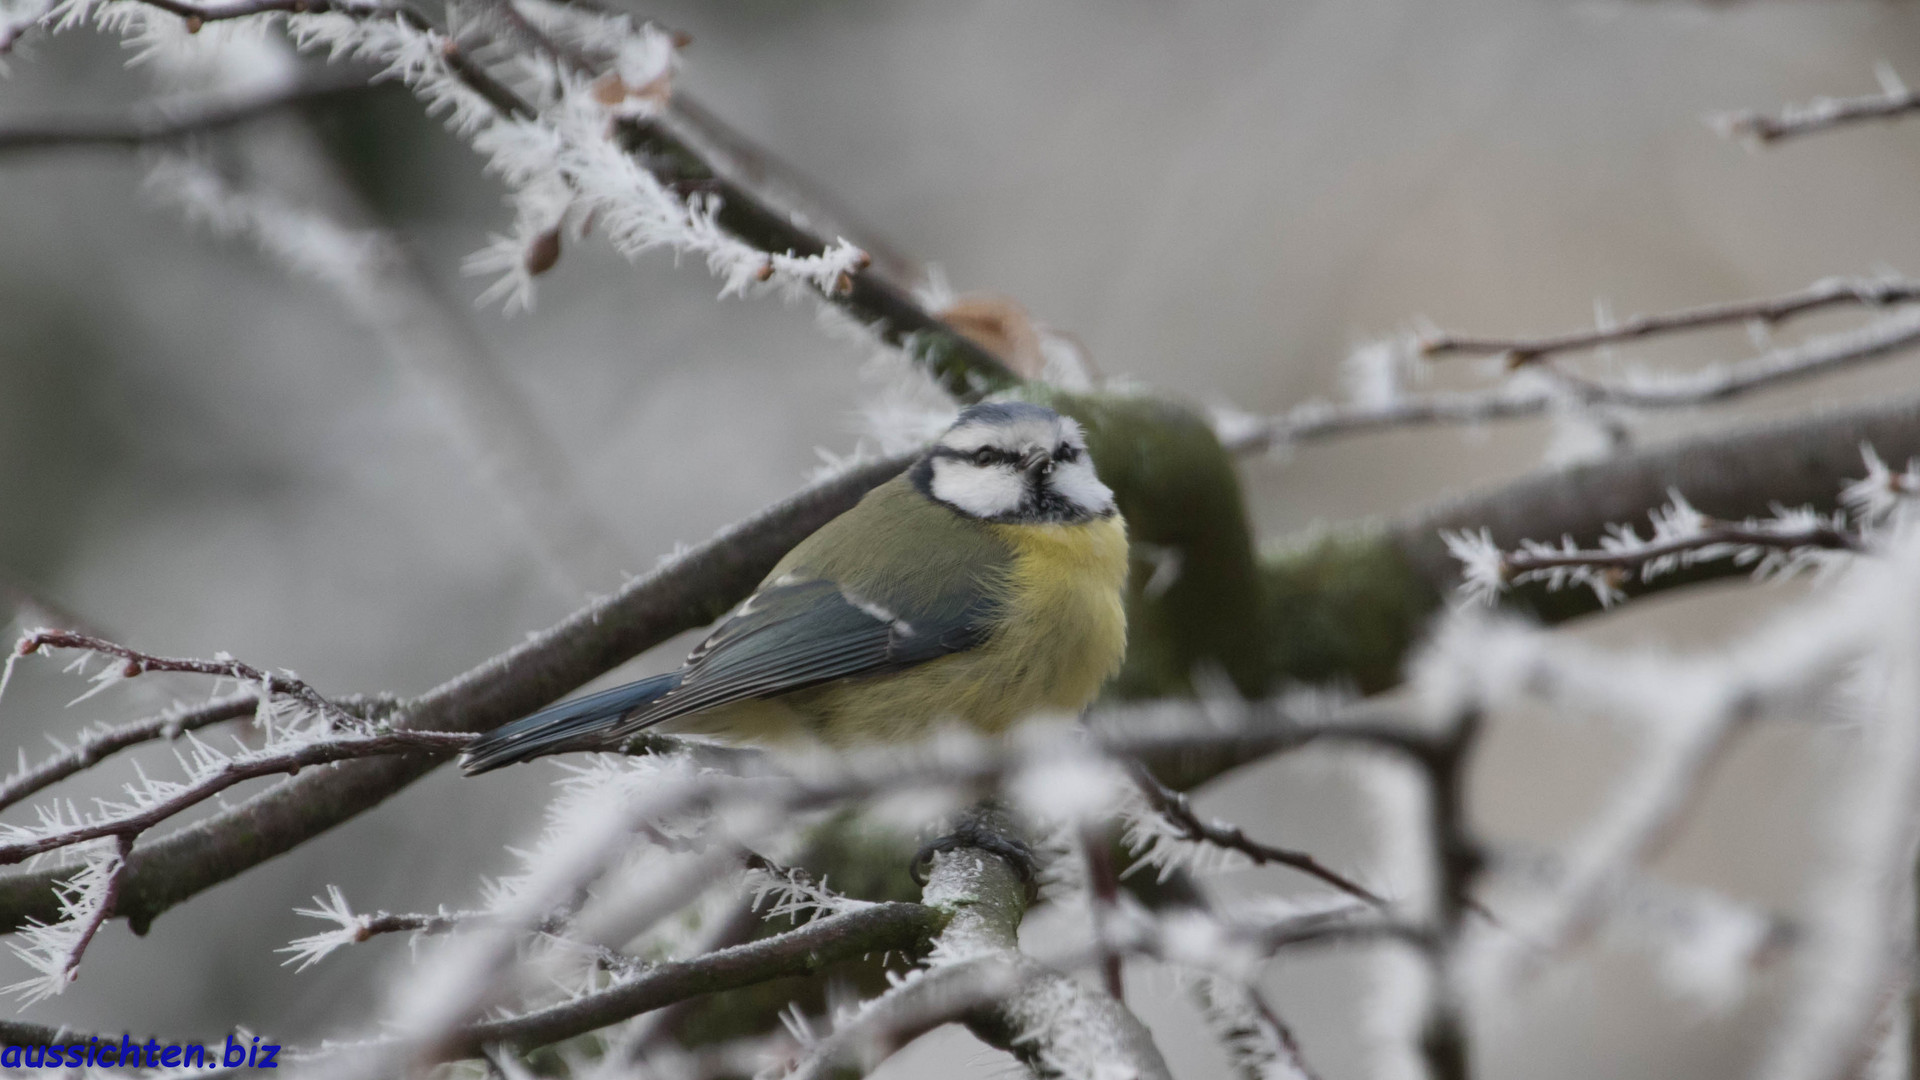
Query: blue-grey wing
(790,635)
(794,634)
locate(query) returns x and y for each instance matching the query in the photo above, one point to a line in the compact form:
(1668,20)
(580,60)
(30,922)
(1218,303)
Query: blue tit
(980,586)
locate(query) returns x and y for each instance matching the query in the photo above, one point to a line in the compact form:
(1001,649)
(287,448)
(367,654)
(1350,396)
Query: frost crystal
(53,949)
(348,929)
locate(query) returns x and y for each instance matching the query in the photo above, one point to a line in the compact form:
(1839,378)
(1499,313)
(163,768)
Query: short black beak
(1037,462)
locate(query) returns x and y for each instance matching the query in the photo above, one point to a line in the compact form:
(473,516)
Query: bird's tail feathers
(567,725)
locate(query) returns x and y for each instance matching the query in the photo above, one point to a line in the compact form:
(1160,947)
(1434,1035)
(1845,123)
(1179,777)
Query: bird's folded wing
(793,634)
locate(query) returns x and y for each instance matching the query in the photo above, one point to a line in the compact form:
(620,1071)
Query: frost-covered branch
(687,147)
(87,900)
(1893,101)
(1766,311)
(134,662)
(94,745)
(209,772)
(1178,811)
(878,928)
(573,108)
(1682,538)
(1055,1025)
(1258,1042)
(1540,388)
(351,927)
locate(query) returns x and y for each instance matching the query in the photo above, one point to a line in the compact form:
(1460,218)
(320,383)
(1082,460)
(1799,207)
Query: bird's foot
(990,830)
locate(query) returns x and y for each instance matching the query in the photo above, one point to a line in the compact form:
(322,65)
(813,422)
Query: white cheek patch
(980,492)
(1075,481)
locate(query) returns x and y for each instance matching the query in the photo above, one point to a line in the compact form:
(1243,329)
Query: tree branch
(224,667)
(1728,476)
(1052,1023)
(687,150)
(1178,810)
(1557,387)
(1821,295)
(221,776)
(1822,114)
(173,123)
(96,744)
(879,928)
(123,847)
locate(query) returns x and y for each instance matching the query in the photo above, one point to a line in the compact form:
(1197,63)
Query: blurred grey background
(198,453)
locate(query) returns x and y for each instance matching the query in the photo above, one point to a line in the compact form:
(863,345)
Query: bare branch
(879,928)
(240,9)
(1103,883)
(1178,810)
(1682,538)
(1258,1042)
(96,744)
(685,148)
(1728,476)
(225,667)
(219,776)
(1054,1024)
(1550,387)
(1458,860)
(1821,114)
(1820,296)
(122,850)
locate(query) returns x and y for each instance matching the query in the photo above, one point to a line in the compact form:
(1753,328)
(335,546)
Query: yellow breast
(1062,634)
(1066,625)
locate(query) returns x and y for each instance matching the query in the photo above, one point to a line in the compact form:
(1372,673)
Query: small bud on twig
(609,89)
(543,252)
(194,23)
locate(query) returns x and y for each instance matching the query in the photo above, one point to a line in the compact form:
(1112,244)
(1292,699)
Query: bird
(980,586)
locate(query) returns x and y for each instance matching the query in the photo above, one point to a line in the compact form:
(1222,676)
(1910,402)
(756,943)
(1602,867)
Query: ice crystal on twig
(54,950)
(1789,542)
(348,929)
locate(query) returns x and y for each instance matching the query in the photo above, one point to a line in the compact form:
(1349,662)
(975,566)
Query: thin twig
(879,928)
(123,850)
(1554,387)
(1103,884)
(240,9)
(1821,295)
(225,667)
(171,124)
(1178,810)
(1825,537)
(94,745)
(436,744)
(1822,114)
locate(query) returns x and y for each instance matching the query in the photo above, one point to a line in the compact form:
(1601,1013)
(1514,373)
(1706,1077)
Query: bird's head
(1015,463)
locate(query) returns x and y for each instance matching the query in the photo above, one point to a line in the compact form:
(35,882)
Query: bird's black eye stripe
(1067,452)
